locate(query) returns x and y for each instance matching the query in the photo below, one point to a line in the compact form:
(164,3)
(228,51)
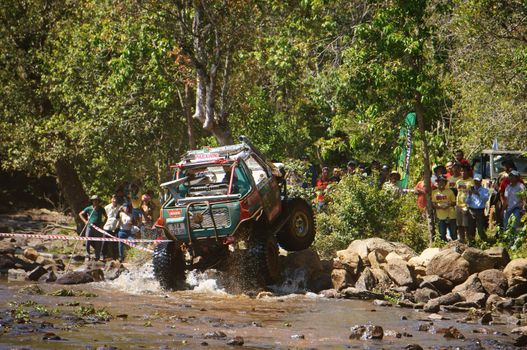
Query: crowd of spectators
(461,199)
(129,214)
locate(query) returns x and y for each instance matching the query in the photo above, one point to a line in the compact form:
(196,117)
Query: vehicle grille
(221,217)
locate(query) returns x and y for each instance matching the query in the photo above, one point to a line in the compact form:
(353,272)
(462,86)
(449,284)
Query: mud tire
(299,231)
(255,267)
(169,265)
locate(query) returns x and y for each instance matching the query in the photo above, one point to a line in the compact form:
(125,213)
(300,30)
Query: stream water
(145,317)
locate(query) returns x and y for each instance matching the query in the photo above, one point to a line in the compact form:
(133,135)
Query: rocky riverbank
(485,288)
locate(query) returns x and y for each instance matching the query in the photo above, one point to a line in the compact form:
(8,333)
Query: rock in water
(435,282)
(76,277)
(450,265)
(36,273)
(366,332)
(448,299)
(236,341)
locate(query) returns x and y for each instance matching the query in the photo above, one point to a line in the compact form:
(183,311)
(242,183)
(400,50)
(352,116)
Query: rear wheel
(169,265)
(299,231)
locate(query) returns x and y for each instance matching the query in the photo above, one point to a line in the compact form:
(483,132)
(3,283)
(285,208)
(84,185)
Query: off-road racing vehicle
(228,209)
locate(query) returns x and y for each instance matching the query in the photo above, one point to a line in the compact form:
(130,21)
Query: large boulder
(367,280)
(360,248)
(472,283)
(364,247)
(450,265)
(493,281)
(384,281)
(515,268)
(500,255)
(433,305)
(377,257)
(342,278)
(307,259)
(423,295)
(442,285)
(478,260)
(400,272)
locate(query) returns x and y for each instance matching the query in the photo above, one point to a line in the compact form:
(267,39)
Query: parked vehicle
(228,208)
(489,164)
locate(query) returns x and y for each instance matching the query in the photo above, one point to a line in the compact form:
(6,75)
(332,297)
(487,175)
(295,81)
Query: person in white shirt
(513,204)
(126,222)
(112,227)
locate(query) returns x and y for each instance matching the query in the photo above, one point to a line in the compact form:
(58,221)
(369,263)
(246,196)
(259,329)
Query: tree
(393,67)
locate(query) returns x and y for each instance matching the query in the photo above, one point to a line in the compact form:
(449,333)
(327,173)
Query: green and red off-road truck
(228,209)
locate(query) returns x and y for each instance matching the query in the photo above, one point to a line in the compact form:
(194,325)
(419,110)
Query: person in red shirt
(419,190)
(460,158)
(320,187)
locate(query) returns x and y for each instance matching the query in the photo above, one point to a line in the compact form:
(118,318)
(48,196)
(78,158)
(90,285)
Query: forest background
(95,93)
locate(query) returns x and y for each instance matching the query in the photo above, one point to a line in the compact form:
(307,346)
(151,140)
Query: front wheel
(169,265)
(299,231)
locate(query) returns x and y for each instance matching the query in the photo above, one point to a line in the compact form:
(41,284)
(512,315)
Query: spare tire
(169,265)
(299,231)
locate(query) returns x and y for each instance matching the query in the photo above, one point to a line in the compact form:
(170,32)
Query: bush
(357,209)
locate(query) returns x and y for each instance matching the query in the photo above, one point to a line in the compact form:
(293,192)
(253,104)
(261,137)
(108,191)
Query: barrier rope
(131,243)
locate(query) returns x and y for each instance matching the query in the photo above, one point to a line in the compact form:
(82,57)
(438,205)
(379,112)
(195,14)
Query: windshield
(212,180)
(519,161)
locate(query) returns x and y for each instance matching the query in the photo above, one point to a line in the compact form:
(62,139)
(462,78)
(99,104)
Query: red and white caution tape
(131,243)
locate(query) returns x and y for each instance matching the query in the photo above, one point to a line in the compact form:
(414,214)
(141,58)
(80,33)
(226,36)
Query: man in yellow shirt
(463,185)
(444,201)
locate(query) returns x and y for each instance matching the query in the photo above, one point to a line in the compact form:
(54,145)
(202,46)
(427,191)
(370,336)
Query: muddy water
(144,317)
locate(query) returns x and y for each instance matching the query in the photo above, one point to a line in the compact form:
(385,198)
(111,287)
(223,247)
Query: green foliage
(358,209)
(297,178)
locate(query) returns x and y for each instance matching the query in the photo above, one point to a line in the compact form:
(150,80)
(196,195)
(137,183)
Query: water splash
(204,282)
(294,282)
(136,280)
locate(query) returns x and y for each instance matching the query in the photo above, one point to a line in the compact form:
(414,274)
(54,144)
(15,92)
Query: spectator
(147,213)
(111,226)
(136,202)
(352,167)
(375,166)
(321,186)
(392,183)
(337,175)
(93,215)
(439,170)
(444,201)
(455,175)
(125,227)
(476,200)
(383,176)
(513,204)
(501,184)
(419,190)
(310,174)
(448,167)
(460,158)
(462,186)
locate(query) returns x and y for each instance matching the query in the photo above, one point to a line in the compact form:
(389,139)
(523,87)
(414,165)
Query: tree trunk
(188,117)
(419,111)
(71,187)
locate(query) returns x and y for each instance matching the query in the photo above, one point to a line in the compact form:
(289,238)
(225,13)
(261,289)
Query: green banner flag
(405,135)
